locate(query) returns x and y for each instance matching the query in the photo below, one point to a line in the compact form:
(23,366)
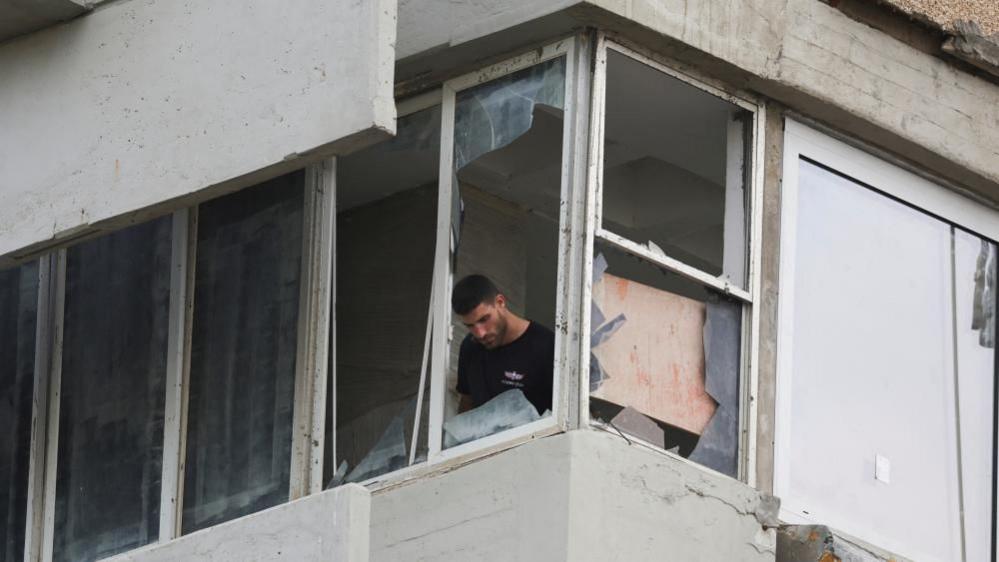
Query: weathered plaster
(147,102)
(769,291)
(580,496)
(332,526)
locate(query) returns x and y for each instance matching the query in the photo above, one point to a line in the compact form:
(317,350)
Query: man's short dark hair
(472,291)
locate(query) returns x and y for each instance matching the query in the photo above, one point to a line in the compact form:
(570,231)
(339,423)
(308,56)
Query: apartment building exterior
(763,233)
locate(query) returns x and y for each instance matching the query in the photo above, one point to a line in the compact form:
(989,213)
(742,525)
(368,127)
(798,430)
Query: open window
(669,282)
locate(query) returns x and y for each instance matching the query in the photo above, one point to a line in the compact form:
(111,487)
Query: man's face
(487,322)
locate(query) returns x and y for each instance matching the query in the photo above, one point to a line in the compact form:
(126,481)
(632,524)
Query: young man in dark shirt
(502,351)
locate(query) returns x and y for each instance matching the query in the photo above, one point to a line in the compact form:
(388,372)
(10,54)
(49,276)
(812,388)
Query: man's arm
(465,403)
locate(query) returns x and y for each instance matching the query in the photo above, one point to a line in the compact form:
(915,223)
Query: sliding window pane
(242,380)
(112,391)
(872,369)
(508,170)
(18,309)
(386,228)
(676,168)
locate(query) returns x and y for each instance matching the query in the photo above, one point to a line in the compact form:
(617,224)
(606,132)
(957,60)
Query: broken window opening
(676,168)
(665,359)
(18,312)
(508,179)
(243,352)
(112,389)
(386,228)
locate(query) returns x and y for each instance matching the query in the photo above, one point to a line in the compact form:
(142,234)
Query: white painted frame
(890,179)
(314,333)
(444,276)
(749,296)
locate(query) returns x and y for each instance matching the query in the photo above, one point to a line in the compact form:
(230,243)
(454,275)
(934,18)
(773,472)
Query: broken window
(675,168)
(669,276)
(888,322)
(111,392)
(507,182)
(243,352)
(666,355)
(386,227)
(18,310)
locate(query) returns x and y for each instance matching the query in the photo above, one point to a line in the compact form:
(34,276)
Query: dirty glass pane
(386,231)
(872,439)
(508,157)
(243,352)
(975,296)
(18,310)
(110,449)
(675,168)
(665,359)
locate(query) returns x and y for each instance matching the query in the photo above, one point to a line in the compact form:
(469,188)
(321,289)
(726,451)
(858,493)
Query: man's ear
(500,301)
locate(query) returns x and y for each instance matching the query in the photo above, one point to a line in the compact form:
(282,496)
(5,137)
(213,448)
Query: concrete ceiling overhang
(18,17)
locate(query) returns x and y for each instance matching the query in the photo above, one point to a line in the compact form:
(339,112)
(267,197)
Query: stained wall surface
(138,103)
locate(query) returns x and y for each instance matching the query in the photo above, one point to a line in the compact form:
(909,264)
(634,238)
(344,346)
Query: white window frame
(749,297)
(576,51)
(314,332)
(891,179)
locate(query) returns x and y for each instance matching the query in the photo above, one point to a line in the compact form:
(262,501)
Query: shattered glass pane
(491,116)
(665,359)
(18,311)
(386,231)
(675,168)
(505,411)
(112,392)
(508,170)
(243,350)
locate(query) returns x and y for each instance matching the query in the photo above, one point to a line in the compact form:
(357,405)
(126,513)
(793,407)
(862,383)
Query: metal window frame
(315,330)
(748,296)
(894,180)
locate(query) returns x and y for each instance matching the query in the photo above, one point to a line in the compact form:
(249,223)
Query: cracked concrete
(582,496)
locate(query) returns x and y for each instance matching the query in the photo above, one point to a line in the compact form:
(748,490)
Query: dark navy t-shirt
(525,363)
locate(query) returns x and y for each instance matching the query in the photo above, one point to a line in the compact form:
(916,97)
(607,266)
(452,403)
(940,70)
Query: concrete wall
(332,526)
(141,102)
(802,53)
(581,496)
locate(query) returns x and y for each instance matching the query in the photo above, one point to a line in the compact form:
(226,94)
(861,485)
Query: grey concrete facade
(332,526)
(582,496)
(143,107)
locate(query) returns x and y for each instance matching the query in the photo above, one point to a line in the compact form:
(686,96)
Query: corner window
(669,280)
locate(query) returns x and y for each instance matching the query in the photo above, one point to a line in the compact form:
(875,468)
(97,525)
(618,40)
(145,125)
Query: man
(502,351)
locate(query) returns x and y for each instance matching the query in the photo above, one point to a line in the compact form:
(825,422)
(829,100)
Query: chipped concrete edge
(819,543)
(969,44)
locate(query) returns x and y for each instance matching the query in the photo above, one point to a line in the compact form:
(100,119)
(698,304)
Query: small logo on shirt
(513,375)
